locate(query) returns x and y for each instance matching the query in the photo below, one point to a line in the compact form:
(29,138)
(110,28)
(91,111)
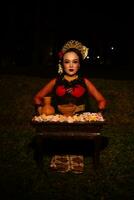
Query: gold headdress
(76,45)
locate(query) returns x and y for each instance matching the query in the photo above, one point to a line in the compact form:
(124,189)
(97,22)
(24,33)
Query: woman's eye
(75,62)
(66,62)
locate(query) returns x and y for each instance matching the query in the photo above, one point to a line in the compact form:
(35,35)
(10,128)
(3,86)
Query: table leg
(96,152)
(38,148)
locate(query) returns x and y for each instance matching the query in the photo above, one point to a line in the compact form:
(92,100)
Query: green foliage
(19,176)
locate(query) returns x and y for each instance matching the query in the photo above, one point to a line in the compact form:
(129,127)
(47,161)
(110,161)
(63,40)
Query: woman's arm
(44,92)
(96,94)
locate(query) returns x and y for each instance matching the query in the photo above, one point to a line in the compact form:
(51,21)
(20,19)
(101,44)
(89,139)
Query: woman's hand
(102,105)
(38,108)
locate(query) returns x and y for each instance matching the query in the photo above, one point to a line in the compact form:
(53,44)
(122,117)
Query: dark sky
(70,17)
(94,23)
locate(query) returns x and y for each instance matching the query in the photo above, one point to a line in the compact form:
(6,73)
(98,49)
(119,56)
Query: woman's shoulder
(57,79)
(52,81)
(84,79)
(87,81)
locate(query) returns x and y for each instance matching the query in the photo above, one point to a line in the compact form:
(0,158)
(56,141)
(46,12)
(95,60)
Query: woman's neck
(70,78)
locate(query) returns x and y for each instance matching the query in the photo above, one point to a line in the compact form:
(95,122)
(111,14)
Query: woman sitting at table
(69,87)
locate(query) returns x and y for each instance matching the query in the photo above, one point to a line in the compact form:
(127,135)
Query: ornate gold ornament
(76,45)
(60,68)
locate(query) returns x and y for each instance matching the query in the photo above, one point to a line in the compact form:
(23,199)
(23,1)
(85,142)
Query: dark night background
(33,33)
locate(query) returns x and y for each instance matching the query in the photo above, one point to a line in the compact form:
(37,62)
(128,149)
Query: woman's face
(71,63)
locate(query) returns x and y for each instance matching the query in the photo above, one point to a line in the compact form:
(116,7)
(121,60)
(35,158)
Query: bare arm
(44,92)
(96,94)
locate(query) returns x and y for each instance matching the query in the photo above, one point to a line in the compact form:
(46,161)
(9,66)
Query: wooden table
(64,132)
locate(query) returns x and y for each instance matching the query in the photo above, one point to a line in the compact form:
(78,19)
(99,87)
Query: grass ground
(19,176)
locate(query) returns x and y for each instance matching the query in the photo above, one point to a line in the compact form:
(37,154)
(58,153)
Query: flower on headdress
(60,54)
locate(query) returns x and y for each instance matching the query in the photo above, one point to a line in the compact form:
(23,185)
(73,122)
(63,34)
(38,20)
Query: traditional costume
(70,91)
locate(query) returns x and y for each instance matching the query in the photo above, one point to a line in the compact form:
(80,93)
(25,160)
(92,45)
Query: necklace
(70,78)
